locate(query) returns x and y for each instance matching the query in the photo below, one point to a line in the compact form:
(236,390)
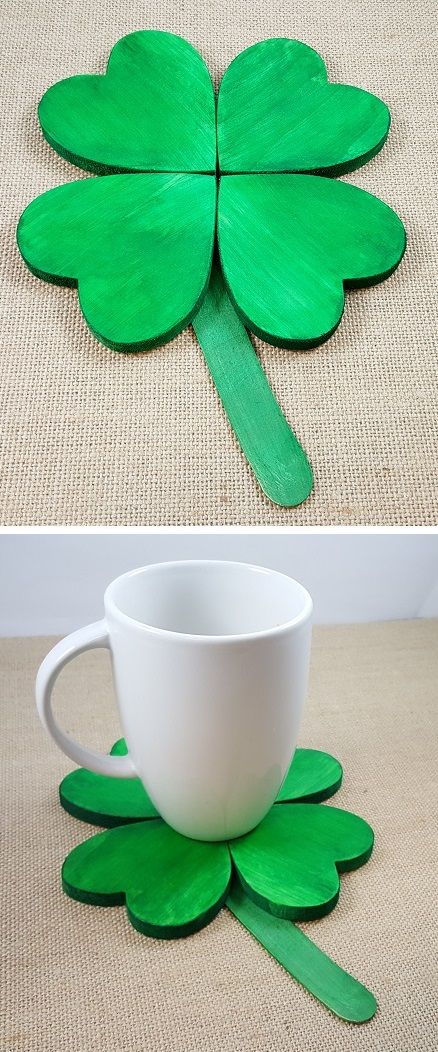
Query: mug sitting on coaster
(210,665)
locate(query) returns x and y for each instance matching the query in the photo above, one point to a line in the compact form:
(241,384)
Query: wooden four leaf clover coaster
(285,870)
(235,225)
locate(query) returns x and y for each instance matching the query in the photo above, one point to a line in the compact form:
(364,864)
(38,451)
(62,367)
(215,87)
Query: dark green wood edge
(292,913)
(142,345)
(120,898)
(85,164)
(317,797)
(110,821)
(105,821)
(347,283)
(180,930)
(350,864)
(333,171)
(91,898)
(303,913)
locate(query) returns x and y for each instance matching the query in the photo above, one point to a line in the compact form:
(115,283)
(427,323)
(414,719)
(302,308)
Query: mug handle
(95,635)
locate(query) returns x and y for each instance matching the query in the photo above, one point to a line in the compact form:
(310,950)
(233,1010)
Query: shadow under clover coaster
(218,213)
(284,870)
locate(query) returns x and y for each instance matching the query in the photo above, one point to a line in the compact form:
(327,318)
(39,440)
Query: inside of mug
(210,598)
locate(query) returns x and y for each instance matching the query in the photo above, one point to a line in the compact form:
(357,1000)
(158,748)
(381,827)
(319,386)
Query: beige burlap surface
(94,437)
(80,979)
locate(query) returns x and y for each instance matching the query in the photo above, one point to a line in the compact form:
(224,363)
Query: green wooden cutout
(313,776)
(278,113)
(140,247)
(290,863)
(153,111)
(104,801)
(172,886)
(329,983)
(274,453)
(289,242)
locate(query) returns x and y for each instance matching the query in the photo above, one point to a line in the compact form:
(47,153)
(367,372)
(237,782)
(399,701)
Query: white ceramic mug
(210,663)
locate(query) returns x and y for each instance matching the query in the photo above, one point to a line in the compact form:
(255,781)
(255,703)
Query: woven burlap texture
(78,978)
(95,437)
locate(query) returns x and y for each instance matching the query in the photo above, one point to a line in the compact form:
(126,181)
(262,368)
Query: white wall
(54,583)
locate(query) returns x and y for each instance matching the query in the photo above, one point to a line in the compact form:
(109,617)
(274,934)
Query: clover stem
(304,961)
(274,453)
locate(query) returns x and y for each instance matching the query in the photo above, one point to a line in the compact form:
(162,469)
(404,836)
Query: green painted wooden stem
(274,453)
(304,961)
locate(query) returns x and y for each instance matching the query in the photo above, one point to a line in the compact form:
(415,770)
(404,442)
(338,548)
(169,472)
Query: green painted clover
(286,869)
(217,215)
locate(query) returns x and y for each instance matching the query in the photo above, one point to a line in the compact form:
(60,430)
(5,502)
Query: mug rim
(302,617)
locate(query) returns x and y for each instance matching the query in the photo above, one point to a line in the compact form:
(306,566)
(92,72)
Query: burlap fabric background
(78,978)
(94,437)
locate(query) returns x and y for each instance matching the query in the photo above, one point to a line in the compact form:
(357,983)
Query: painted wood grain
(290,863)
(171,885)
(305,962)
(153,110)
(138,247)
(105,801)
(288,245)
(269,444)
(278,113)
(312,776)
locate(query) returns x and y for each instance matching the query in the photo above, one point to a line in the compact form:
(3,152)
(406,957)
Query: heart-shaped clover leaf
(171,885)
(290,243)
(290,863)
(144,270)
(153,110)
(279,89)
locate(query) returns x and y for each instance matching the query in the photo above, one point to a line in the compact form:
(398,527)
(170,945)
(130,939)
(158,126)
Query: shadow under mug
(210,662)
